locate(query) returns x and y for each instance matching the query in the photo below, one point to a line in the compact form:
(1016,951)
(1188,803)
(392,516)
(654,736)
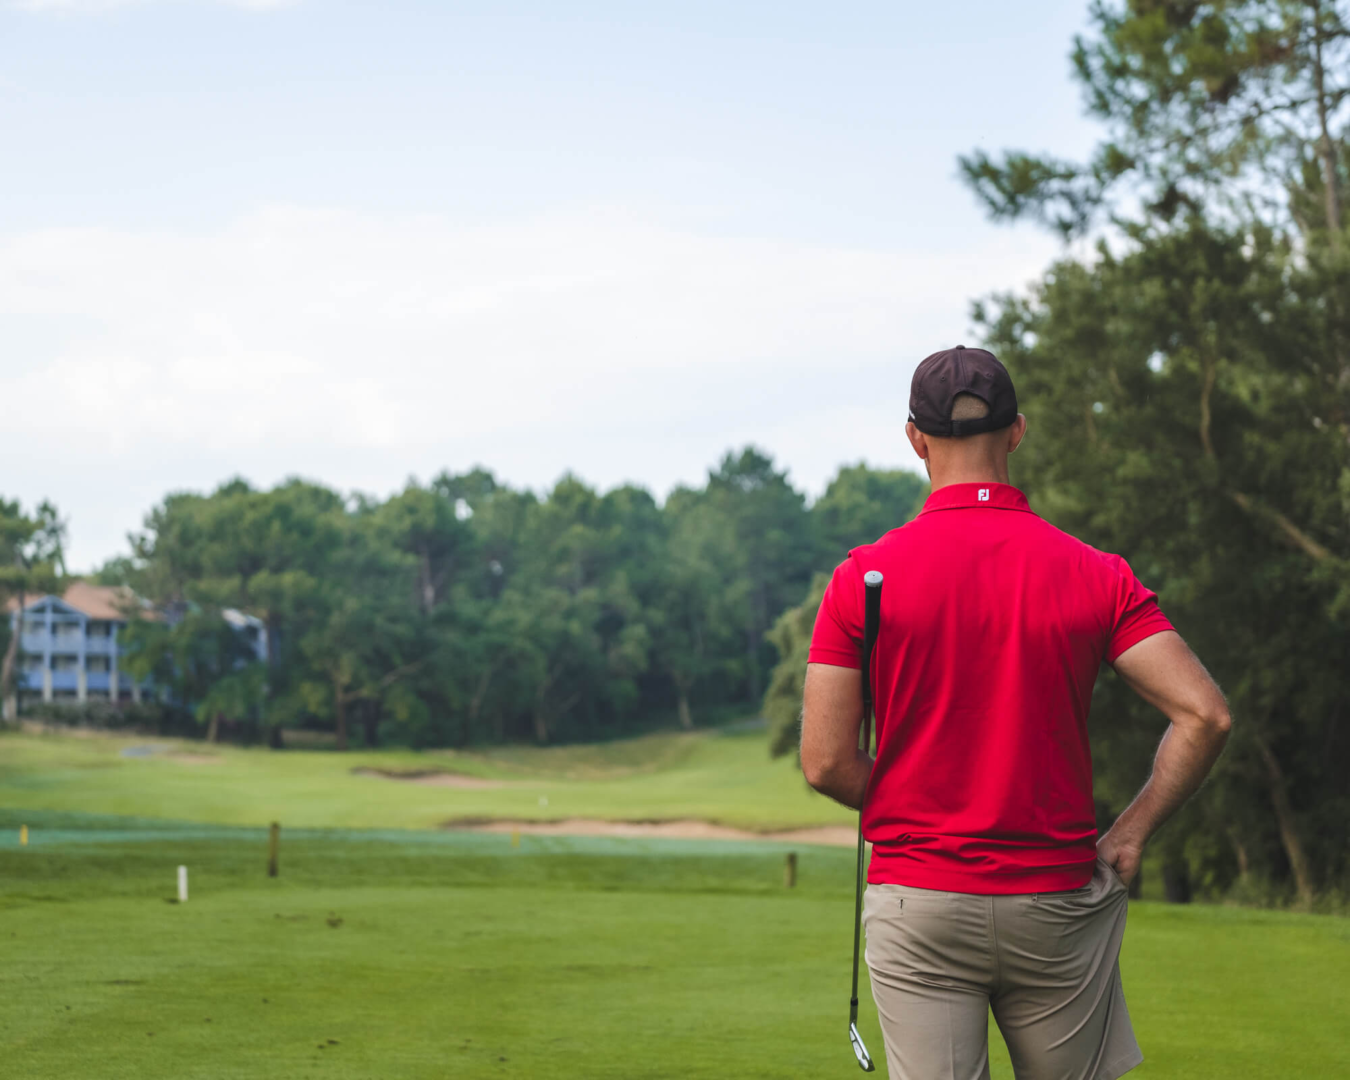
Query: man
(988,886)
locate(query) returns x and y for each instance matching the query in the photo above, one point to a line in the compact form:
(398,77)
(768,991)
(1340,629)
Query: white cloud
(360,349)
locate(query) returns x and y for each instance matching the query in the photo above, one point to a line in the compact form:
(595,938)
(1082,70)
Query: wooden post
(273,848)
(182,885)
(515,838)
(790,870)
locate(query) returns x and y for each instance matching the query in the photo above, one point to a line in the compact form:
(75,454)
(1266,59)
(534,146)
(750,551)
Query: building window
(65,663)
(97,663)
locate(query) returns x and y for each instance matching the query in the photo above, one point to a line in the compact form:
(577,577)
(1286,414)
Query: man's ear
(1016,431)
(917,439)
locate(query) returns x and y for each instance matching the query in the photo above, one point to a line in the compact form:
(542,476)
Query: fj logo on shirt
(984,494)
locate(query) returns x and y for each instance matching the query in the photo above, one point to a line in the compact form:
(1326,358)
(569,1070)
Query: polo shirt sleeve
(837,637)
(1137,615)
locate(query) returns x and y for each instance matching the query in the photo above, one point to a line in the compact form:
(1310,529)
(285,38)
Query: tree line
(1187,386)
(1188,391)
(465,611)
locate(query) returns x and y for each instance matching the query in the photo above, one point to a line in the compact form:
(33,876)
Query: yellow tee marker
(23,836)
(515,838)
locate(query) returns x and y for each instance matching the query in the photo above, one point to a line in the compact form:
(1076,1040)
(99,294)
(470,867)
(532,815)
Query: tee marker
(182,884)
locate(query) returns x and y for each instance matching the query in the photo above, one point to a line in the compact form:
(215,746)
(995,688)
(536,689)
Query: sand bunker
(833,835)
(434,779)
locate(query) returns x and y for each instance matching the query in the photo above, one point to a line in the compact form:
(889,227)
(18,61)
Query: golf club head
(859,1050)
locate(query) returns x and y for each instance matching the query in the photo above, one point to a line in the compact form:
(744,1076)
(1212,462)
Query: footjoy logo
(984,494)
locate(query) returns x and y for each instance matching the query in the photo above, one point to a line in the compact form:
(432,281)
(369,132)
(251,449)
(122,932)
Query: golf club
(871,624)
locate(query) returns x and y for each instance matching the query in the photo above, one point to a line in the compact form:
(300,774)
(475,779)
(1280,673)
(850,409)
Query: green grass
(390,952)
(727,778)
(432,955)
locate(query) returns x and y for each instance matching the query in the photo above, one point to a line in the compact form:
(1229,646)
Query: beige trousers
(1046,964)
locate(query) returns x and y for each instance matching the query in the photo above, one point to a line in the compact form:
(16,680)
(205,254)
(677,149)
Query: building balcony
(39,644)
(68,682)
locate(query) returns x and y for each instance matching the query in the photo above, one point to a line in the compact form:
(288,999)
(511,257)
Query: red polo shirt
(994,625)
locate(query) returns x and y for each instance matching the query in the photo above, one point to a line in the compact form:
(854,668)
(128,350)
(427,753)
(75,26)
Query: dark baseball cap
(940,377)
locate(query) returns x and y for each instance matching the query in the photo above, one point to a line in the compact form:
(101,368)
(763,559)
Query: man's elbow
(1219,720)
(817,769)
(1213,719)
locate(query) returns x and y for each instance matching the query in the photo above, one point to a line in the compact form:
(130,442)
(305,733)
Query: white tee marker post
(182,884)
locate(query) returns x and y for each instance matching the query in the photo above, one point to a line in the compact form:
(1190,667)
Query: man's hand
(1166,674)
(1122,856)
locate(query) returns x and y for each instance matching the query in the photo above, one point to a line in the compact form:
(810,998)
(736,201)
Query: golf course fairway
(713,776)
(383,952)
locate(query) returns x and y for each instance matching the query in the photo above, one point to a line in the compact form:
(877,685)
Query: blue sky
(362,242)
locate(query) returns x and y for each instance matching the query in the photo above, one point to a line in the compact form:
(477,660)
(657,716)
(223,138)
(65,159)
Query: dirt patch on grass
(164,752)
(688,829)
(433,778)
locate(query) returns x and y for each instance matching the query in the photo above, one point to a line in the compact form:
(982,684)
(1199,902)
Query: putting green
(430,954)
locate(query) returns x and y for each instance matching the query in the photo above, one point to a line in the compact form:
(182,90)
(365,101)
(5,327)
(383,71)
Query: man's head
(963,418)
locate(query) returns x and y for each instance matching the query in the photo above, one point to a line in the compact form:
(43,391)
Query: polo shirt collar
(976,496)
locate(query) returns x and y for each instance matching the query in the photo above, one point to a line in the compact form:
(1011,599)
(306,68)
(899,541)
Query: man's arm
(831,719)
(1164,672)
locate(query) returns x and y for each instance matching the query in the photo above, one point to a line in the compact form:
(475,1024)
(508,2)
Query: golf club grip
(872,582)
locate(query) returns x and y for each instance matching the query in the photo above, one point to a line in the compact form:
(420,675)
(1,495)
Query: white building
(70,645)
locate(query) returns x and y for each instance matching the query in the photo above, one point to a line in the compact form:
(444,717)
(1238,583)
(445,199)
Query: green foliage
(32,562)
(861,505)
(145,717)
(791,635)
(466,612)
(1210,107)
(1188,393)
(199,659)
(1179,414)
(772,549)
(31,548)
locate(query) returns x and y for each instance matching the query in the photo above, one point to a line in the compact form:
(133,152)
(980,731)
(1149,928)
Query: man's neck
(959,472)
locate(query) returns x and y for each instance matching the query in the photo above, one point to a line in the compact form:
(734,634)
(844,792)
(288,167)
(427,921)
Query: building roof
(95,601)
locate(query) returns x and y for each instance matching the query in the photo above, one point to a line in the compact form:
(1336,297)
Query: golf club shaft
(871,625)
(857,929)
